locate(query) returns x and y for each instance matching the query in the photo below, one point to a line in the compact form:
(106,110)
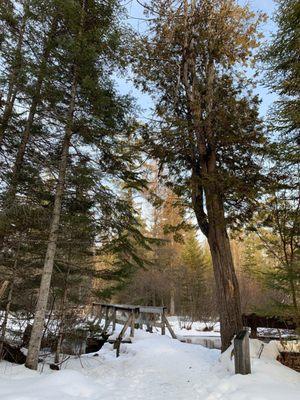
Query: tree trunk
(13,81)
(3,288)
(6,314)
(62,313)
(291,279)
(7,309)
(62,319)
(36,99)
(9,299)
(37,329)
(228,296)
(172,301)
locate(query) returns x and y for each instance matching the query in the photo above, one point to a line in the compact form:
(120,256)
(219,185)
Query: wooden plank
(124,329)
(242,353)
(151,310)
(129,307)
(165,319)
(127,341)
(107,323)
(120,337)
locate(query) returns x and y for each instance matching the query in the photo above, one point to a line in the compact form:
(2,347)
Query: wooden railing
(131,316)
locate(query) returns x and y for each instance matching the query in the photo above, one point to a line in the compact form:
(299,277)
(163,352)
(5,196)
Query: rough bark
(228,295)
(37,329)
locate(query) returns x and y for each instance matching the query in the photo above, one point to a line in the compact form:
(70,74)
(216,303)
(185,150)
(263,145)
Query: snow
(154,367)
(196,328)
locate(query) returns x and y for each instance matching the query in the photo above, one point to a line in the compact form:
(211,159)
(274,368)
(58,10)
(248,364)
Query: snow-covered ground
(197,328)
(154,367)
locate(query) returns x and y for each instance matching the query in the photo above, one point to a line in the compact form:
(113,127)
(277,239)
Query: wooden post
(165,319)
(242,353)
(99,311)
(132,323)
(253,333)
(122,333)
(148,324)
(106,314)
(163,326)
(114,319)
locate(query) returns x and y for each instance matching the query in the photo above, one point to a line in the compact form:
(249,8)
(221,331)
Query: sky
(135,12)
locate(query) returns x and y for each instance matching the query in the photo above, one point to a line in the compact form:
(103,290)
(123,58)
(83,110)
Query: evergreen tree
(282,58)
(207,129)
(279,217)
(196,291)
(73,94)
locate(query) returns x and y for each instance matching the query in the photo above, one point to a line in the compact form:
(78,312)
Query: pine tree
(279,217)
(282,63)
(84,105)
(195,266)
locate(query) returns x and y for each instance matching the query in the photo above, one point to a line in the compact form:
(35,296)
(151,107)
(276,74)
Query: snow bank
(269,378)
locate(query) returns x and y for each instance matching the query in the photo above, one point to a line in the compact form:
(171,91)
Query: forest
(190,203)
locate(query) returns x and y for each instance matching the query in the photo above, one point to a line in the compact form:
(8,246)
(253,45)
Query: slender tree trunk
(62,319)
(6,314)
(36,99)
(290,261)
(13,81)
(3,288)
(172,301)
(9,299)
(291,279)
(37,329)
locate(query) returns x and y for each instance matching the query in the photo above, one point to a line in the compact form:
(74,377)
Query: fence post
(132,323)
(114,319)
(242,353)
(163,325)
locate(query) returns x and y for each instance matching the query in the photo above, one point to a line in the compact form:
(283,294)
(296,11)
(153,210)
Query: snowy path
(156,368)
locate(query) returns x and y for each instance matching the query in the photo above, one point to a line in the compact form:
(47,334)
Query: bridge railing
(131,316)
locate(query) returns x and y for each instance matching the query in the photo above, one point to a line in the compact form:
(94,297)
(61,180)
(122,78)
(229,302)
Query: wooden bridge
(131,316)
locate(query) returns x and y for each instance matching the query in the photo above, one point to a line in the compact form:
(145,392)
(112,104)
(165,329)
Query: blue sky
(135,12)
